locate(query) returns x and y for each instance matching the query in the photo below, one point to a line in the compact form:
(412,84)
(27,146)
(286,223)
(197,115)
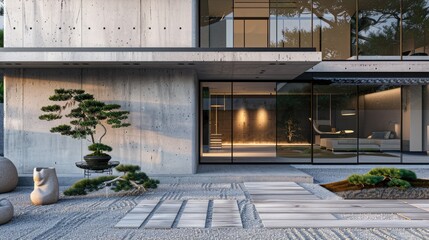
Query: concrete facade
(100,23)
(145,56)
(163,133)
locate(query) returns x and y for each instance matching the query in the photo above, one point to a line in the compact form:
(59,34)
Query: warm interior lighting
(350,112)
(262,118)
(241,117)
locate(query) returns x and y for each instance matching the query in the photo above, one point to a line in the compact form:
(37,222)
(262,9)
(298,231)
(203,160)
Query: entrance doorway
(238,122)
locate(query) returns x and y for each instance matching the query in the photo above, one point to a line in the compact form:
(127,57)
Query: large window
(415,22)
(320,122)
(341,30)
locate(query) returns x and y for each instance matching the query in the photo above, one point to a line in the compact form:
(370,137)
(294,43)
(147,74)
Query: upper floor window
(340,29)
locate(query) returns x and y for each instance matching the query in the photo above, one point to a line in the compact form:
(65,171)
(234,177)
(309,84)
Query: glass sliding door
(379,124)
(334,123)
(254,122)
(216,124)
(293,122)
(413,127)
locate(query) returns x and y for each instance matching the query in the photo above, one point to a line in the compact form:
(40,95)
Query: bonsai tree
(86,114)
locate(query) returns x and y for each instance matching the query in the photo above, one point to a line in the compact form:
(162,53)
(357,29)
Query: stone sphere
(6,211)
(8,175)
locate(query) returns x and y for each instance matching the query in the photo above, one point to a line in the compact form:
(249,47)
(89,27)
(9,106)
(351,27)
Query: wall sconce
(349,112)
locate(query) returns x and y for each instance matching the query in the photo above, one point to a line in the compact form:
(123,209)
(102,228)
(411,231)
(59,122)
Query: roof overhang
(257,64)
(371,66)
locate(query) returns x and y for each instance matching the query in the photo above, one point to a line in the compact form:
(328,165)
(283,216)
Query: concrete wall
(162,138)
(100,23)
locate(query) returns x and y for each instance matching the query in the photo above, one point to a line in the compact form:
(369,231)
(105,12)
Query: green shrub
(408,174)
(394,173)
(365,179)
(398,183)
(132,179)
(385,172)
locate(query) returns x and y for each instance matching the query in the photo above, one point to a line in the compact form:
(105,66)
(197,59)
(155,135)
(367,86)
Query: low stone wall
(386,193)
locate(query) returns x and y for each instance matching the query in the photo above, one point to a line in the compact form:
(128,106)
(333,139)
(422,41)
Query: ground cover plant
(132,179)
(379,178)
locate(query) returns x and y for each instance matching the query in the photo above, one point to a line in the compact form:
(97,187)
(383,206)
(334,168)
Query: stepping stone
(263,184)
(280,192)
(338,210)
(165,215)
(296,216)
(226,214)
(282,198)
(327,205)
(136,217)
(346,224)
(415,216)
(194,215)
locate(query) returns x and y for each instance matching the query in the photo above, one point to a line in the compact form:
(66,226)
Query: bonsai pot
(97,160)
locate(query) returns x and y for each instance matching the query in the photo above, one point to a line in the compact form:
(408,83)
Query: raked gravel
(94,216)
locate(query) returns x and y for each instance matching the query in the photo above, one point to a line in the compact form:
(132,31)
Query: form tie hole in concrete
(104,28)
(180,28)
(14,28)
(119,28)
(134,28)
(89,28)
(150,28)
(59,28)
(165,28)
(31,28)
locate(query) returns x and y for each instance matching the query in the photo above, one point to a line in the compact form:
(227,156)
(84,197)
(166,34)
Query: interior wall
(100,23)
(162,104)
(382,112)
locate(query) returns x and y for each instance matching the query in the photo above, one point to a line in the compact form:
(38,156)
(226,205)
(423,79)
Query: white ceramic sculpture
(6,211)
(46,188)
(8,175)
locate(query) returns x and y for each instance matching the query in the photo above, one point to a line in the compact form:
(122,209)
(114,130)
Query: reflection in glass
(254,122)
(335,28)
(216,20)
(378,29)
(415,27)
(413,131)
(293,122)
(216,124)
(334,124)
(290,24)
(379,124)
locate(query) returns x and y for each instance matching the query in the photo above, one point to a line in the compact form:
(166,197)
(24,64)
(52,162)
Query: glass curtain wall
(290,24)
(254,122)
(379,124)
(341,30)
(216,122)
(334,123)
(414,124)
(216,23)
(294,122)
(379,29)
(320,122)
(335,29)
(415,28)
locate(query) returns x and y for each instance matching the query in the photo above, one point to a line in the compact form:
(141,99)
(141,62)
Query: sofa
(377,141)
